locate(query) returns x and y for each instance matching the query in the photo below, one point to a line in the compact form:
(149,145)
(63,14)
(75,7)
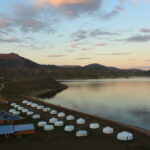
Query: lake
(124,100)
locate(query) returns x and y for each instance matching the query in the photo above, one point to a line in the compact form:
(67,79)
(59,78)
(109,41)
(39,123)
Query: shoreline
(131,128)
(61,140)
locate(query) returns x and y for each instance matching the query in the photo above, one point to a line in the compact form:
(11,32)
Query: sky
(77,32)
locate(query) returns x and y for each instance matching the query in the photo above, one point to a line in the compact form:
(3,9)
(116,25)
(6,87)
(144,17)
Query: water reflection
(125,100)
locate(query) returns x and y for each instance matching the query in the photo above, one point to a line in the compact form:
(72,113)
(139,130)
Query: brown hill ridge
(11,56)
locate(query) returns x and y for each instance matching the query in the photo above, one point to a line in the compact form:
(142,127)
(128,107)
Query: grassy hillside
(30,85)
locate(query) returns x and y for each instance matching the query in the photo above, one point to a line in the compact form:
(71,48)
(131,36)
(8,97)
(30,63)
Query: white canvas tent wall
(70,117)
(36,116)
(81,121)
(108,130)
(94,125)
(61,114)
(69,128)
(53,112)
(53,120)
(59,123)
(81,133)
(48,127)
(125,136)
(42,123)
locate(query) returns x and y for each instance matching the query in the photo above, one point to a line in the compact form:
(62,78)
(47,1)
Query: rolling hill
(13,65)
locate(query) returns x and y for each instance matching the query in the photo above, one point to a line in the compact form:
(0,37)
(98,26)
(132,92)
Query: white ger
(108,130)
(81,133)
(70,117)
(61,114)
(59,123)
(48,127)
(125,136)
(81,121)
(42,123)
(69,128)
(53,120)
(94,125)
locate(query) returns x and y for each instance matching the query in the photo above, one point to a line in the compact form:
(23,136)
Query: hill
(14,60)
(14,66)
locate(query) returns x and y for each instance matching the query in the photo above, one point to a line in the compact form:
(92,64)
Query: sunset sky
(77,32)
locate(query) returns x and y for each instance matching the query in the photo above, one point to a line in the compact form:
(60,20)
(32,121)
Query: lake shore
(59,139)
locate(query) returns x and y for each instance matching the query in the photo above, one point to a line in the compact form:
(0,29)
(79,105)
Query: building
(6,130)
(21,129)
(7,118)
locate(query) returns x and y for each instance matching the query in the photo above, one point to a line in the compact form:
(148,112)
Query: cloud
(145,30)
(56,55)
(5,21)
(86,49)
(100,44)
(75,44)
(132,59)
(84,34)
(138,38)
(83,58)
(28,18)
(10,40)
(117,10)
(147,60)
(117,54)
(73,7)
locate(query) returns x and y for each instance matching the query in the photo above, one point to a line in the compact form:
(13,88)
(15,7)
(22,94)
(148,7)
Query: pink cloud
(64,2)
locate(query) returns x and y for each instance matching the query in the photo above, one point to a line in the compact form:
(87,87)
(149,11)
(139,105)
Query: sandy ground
(61,140)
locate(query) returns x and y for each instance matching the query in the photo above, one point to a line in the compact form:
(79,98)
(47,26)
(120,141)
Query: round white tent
(69,128)
(81,121)
(29,113)
(81,133)
(13,104)
(40,107)
(20,108)
(125,136)
(46,109)
(34,105)
(70,117)
(12,110)
(36,116)
(16,106)
(29,103)
(48,127)
(24,101)
(108,130)
(59,123)
(25,110)
(94,125)
(16,113)
(53,112)
(42,123)
(53,120)
(61,114)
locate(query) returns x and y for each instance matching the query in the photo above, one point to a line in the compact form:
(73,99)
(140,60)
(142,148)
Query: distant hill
(14,60)
(13,65)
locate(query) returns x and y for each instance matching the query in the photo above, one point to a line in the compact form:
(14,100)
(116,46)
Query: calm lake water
(124,100)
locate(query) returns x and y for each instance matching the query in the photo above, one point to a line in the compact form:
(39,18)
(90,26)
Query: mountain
(14,60)
(15,66)
(70,66)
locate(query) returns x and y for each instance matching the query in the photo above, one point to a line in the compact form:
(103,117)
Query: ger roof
(23,127)
(6,129)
